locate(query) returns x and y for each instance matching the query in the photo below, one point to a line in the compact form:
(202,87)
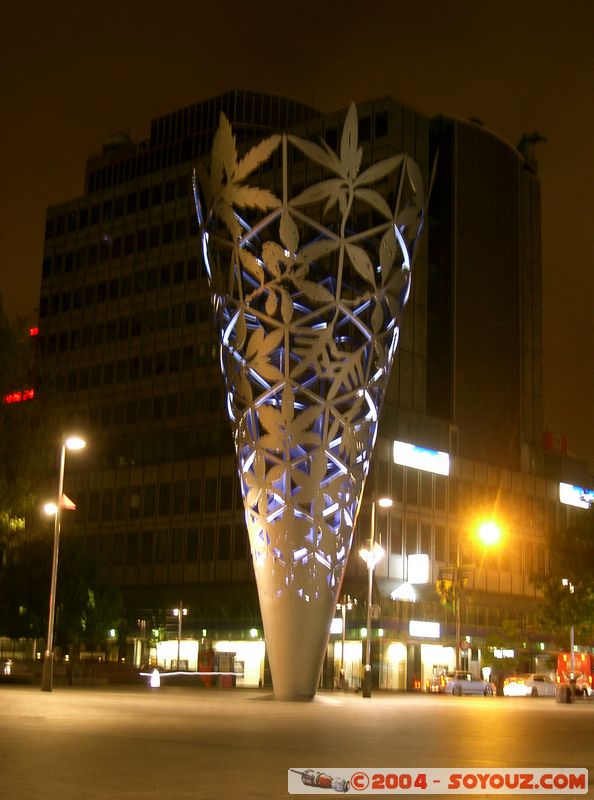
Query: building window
(134,512)
(164,499)
(177,545)
(210,494)
(179,497)
(194,495)
(132,549)
(192,544)
(162,550)
(121,502)
(224,543)
(208,540)
(146,554)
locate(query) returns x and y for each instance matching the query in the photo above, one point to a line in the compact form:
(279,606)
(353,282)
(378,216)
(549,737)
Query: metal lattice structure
(308,310)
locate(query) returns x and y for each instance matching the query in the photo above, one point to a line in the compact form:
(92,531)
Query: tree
(87,604)
(28,425)
(568,586)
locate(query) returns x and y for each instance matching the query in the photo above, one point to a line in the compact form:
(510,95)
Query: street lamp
(371,555)
(345,605)
(489,532)
(179,612)
(47,676)
(567,584)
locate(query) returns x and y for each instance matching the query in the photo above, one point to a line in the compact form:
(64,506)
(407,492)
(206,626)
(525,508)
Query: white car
(531,685)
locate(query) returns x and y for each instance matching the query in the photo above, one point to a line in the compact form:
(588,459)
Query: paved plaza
(135,743)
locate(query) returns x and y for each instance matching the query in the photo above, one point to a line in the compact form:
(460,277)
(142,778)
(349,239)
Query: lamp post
(569,585)
(371,555)
(179,612)
(47,676)
(345,605)
(489,533)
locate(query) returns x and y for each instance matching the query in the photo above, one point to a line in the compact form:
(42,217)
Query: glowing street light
(70,443)
(371,555)
(489,533)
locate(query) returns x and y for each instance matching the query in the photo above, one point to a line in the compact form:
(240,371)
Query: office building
(126,331)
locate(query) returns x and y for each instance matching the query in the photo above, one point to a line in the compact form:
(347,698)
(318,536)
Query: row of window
(151,320)
(111,248)
(176,546)
(165,447)
(117,207)
(468,498)
(165,499)
(144,409)
(242,107)
(196,145)
(146,366)
(408,537)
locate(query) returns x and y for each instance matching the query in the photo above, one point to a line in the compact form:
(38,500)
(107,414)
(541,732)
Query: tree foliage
(28,431)
(87,604)
(568,586)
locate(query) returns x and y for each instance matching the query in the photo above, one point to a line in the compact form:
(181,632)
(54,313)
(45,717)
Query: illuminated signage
(576,495)
(409,455)
(418,568)
(405,592)
(19,397)
(336,625)
(428,630)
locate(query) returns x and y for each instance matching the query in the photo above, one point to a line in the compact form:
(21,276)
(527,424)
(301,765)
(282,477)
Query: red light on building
(19,397)
(33,331)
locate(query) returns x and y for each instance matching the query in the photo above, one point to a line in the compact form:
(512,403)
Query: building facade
(126,332)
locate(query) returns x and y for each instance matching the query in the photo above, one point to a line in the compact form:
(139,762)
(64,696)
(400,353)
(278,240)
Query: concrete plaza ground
(134,743)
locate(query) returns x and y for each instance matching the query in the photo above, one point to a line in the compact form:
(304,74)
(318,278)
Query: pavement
(138,743)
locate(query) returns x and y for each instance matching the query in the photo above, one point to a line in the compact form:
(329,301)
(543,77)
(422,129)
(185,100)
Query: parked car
(530,685)
(460,682)
(533,684)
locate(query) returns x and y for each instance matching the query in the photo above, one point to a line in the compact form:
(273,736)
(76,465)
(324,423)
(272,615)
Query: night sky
(73,72)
